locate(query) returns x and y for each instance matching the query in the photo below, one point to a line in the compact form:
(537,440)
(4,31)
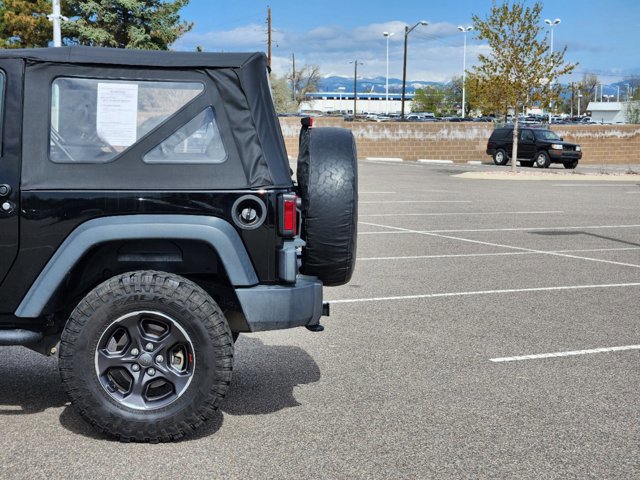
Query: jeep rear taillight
(288,215)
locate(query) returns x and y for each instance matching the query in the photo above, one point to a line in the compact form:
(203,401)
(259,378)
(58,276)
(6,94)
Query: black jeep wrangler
(539,146)
(148,215)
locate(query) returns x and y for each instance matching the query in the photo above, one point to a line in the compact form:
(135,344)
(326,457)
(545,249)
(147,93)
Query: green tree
(429,99)
(520,58)
(24,23)
(282,95)
(140,24)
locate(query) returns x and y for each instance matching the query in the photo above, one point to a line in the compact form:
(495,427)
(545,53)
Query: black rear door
(11,74)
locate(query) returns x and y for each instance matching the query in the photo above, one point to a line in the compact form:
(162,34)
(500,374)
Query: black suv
(148,215)
(535,145)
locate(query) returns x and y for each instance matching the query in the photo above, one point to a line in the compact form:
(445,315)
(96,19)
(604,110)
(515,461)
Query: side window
(93,120)
(198,141)
(526,135)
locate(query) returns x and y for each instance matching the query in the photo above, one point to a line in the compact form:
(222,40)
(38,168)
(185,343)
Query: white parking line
(366,193)
(593,184)
(565,354)
(471,230)
(522,249)
(484,292)
(416,201)
(455,213)
(497,254)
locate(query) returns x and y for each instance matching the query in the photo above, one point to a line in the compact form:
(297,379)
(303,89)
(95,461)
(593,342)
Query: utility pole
(293,75)
(269,37)
(355,87)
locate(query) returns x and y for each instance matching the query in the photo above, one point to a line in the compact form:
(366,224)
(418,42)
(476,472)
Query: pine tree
(139,24)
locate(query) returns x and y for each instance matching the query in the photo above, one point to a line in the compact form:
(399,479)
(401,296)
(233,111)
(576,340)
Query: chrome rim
(145,360)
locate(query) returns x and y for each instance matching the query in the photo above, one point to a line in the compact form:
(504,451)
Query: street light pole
(387,35)
(464,31)
(551,25)
(55,18)
(407,31)
(579,97)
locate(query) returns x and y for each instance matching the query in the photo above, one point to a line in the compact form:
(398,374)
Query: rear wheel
(542,159)
(571,165)
(500,157)
(146,356)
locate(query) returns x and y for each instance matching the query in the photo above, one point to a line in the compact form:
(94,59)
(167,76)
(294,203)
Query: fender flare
(216,232)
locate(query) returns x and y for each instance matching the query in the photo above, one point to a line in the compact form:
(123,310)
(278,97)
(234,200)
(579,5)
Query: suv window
(198,141)
(94,120)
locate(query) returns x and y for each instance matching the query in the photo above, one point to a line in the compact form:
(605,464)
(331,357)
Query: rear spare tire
(328,185)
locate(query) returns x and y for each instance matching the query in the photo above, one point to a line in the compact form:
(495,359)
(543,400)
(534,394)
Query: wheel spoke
(106,360)
(135,397)
(178,380)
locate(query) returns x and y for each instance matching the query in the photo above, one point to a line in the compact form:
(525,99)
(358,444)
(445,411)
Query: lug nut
(135,367)
(135,351)
(159,359)
(151,372)
(149,347)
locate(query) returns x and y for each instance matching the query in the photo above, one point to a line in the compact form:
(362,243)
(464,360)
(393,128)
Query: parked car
(538,146)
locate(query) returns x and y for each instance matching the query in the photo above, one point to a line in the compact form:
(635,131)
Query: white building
(607,112)
(366,103)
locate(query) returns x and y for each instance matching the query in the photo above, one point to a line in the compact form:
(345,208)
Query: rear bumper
(274,307)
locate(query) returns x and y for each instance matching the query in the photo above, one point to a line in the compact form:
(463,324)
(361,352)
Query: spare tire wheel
(328,184)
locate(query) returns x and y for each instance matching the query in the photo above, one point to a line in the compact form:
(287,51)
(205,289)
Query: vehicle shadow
(263,382)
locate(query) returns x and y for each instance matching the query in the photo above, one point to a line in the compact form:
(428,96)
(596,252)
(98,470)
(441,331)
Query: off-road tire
(571,165)
(328,184)
(192,312)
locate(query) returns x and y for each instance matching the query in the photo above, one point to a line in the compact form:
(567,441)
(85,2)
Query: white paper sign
(117,113)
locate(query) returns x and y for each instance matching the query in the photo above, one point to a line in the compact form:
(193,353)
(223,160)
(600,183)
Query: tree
(24,23)
(304,81)
(282,95)
(140,24)
(429,99)
(487,94)
(519,58)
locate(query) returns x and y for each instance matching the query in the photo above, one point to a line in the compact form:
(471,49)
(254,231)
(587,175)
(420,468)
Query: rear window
(94,120)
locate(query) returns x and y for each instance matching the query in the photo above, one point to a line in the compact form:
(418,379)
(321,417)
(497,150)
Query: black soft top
(142,58)
(238,89)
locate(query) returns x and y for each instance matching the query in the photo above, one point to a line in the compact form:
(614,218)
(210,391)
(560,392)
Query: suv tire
(146,356)
(500,157)
(542,159)
(571,165)
(328,181)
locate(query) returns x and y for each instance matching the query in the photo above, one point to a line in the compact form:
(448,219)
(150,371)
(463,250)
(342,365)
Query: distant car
(538,146)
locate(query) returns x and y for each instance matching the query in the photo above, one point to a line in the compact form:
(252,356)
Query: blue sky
(601,35)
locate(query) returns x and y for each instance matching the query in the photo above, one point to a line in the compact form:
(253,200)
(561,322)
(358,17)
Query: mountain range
(334,83)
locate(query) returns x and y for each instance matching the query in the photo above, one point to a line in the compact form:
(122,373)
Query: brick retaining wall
(461,142)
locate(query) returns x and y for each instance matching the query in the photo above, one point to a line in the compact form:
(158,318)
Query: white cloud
(435,51)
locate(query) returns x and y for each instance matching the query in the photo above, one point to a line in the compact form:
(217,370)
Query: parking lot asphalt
(434,360)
